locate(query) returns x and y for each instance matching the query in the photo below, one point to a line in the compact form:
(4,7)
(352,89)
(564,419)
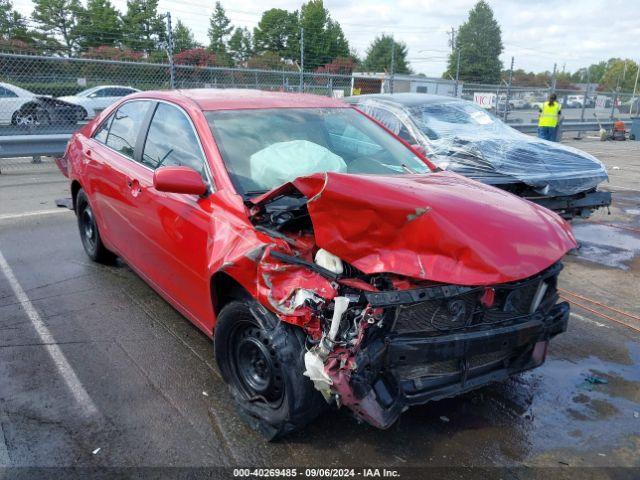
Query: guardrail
(567,126)
(12,146)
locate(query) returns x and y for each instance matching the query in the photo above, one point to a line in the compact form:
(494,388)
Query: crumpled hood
(550,168)
(439,226)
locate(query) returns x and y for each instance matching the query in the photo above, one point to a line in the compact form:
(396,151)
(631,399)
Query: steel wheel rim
(25,119)
(256,368)
(89,231)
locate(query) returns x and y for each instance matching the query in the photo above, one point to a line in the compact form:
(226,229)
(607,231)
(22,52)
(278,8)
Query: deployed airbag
(283,162)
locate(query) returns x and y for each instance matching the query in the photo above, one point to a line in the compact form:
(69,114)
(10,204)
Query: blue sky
(571,33)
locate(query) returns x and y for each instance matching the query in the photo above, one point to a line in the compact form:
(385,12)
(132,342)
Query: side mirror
(93,95)
(179,180)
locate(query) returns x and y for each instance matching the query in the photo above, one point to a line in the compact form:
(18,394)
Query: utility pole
(301,60)
(170,47)
(457,72)
(584,100)
(506,103)
(453,40)
(553,79)
(393,62)
(633,96)
(615,98)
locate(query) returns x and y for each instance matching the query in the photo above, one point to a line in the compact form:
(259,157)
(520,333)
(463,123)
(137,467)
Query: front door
(177,227)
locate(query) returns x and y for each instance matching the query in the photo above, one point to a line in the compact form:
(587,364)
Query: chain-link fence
(46,95)
(41,94)
(521,104)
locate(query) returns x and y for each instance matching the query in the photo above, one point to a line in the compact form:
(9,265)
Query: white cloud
(539,33)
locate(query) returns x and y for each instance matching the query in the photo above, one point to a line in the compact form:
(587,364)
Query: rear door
(115,178)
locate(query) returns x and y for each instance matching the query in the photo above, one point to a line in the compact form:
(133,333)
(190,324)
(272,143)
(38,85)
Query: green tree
(323,37)
(183,38)
(595,74)
(59,19)
(144,28)
(101,25)
(278,32)
(219,29)
(240,45)
(269,61)
(12,24)
(479,41)
(378,57)
(619,73)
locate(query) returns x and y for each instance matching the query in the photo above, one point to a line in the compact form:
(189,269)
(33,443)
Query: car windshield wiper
(407,169)
(255,193)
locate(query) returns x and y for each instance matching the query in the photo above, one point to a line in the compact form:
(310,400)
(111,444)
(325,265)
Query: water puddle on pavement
(570,409)
(606,244)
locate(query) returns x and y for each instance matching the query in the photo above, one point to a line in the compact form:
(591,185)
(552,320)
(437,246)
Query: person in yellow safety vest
(548,121)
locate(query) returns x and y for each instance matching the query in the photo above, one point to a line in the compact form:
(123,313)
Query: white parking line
(588,320)
(66,371)
(11,216)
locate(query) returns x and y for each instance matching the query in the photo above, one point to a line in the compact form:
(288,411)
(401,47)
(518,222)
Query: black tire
(262,361)
(31,118)
(89,233)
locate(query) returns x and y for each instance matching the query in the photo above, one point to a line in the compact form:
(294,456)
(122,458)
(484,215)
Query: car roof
(406,99)
(15,88)
(99,87)
(237,99)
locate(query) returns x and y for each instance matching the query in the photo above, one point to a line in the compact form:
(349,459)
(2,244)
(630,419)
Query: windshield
(263,149)
(448,119)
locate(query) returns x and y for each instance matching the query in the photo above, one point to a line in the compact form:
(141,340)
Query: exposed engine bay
(380,342)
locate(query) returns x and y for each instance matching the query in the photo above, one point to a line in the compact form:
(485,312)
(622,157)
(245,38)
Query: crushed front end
(399,303)
(394,348)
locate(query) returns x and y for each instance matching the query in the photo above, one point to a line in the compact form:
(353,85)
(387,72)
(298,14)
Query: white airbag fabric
(285,161)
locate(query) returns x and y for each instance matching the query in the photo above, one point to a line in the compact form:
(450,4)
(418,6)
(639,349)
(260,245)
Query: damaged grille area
(465,311)
(450,367)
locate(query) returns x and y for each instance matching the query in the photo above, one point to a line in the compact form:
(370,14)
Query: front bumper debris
(579,205)
(419,369)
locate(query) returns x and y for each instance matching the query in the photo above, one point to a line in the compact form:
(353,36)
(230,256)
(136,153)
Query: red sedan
(327,259)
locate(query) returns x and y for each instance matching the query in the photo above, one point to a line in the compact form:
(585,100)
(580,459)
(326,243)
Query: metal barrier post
(301,60)
(506,103)
(393,61)
(170,47)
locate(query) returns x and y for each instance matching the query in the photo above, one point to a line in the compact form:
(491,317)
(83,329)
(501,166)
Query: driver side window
(171,141)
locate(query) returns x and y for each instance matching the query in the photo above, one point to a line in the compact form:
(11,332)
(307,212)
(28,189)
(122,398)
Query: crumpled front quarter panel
(440,227)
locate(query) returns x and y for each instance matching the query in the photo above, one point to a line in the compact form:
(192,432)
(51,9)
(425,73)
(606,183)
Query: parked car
(574,101)
(323,256)
(96,99)
(514,103)
(23,108)
(519,103)
(630,106)
(460,136)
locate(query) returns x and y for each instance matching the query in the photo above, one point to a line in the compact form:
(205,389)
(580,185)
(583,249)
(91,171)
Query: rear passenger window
(103,130)
(171,141)
(125,127)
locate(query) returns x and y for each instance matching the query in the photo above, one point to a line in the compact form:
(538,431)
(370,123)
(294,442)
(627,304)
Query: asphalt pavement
(96,370)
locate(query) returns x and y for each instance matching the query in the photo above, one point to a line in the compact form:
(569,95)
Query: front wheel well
(224,289)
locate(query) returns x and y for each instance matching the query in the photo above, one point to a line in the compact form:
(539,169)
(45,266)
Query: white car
(11,99)
(23,108)
(96,99)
